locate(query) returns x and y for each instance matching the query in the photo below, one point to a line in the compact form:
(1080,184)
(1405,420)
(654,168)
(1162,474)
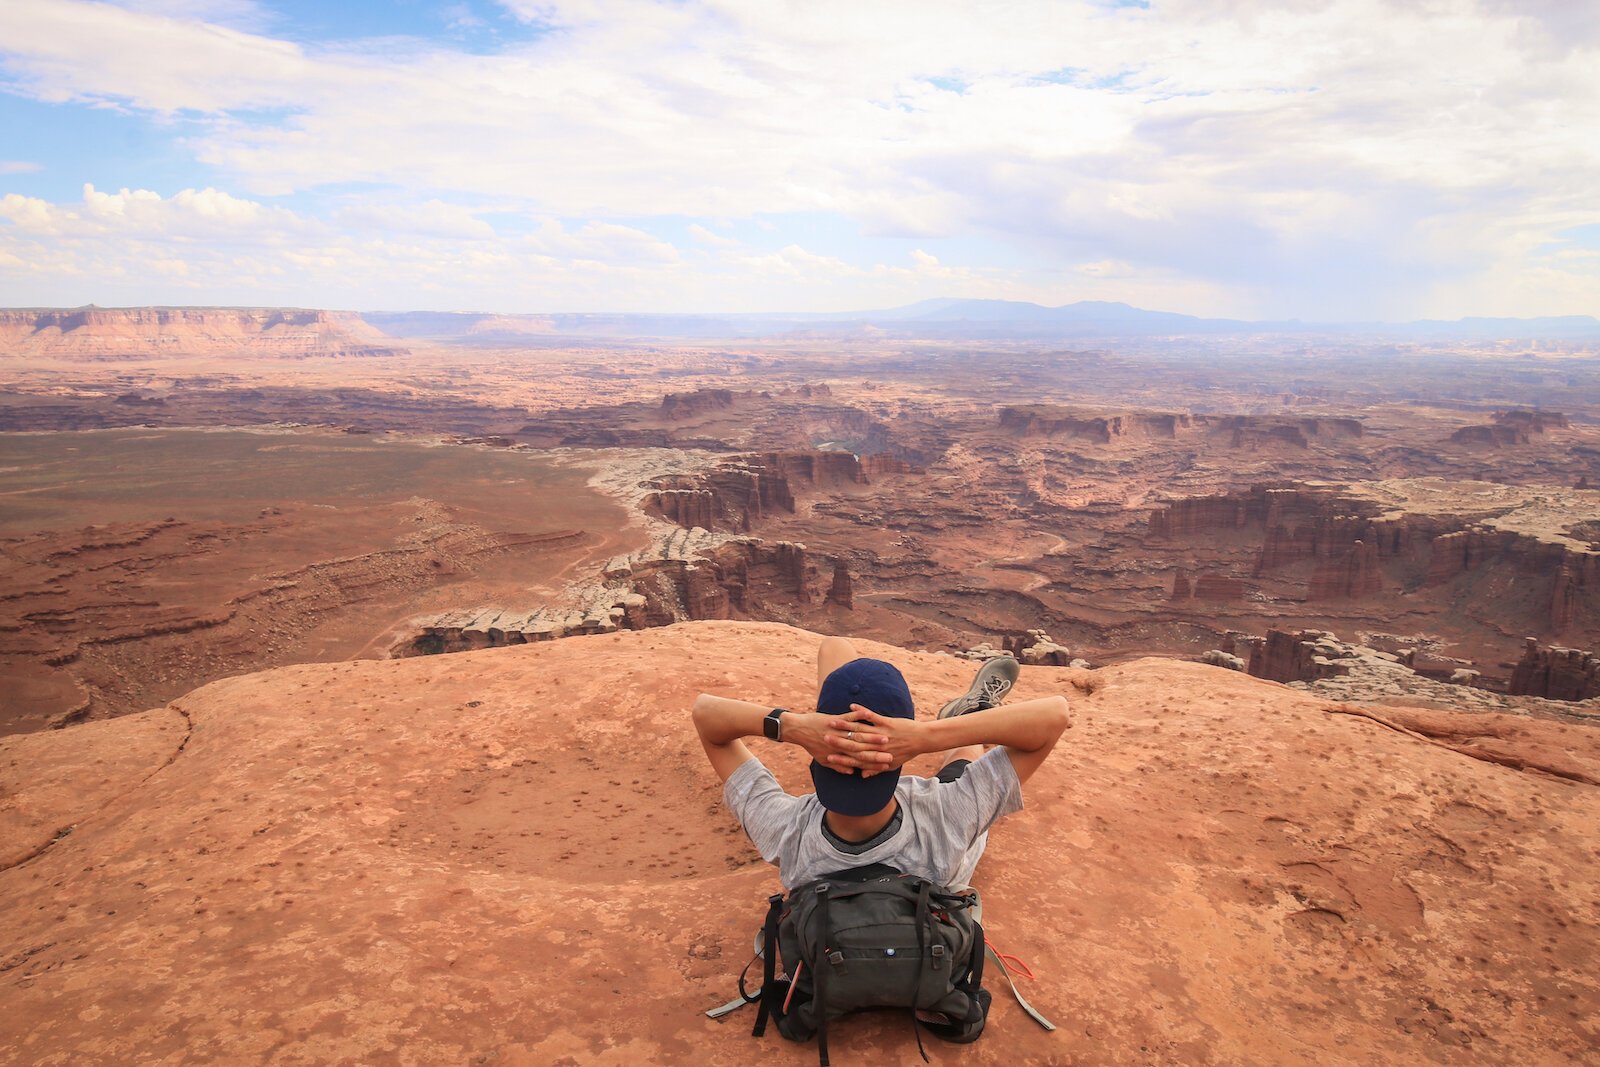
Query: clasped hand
(857,740)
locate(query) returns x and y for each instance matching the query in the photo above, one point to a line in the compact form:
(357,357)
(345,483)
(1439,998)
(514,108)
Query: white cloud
(710,237)
(18,166)
(433,217)
(240,14)
(1354,156)
(601,242)
(27,212)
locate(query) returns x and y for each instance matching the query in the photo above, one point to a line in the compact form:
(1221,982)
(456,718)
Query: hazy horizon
(844,314)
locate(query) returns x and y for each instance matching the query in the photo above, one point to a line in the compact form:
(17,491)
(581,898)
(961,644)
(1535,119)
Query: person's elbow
(1058,714)
(703,715)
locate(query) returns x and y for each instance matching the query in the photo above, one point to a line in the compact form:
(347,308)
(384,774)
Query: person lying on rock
(864,811)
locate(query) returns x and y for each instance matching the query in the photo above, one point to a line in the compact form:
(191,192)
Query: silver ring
(850,735)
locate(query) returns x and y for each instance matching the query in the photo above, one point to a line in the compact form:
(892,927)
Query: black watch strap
(771,727)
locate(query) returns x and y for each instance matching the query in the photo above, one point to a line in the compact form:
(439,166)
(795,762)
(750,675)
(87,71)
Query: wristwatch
(771,726)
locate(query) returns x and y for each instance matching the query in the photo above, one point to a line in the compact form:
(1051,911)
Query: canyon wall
(1050,421)
(737,492)
(1556,673)
(1358,547)
(1509,428)
(744,578)
(93,333)
(1248,432)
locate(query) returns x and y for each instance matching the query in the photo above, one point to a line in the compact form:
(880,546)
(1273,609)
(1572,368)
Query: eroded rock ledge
(694,569)
(1384,669)
(1364,538)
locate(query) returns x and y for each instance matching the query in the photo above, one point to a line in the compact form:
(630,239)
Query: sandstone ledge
(363,862)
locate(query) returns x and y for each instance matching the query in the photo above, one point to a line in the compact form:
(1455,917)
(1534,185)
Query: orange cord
(1014,964)
(795,982)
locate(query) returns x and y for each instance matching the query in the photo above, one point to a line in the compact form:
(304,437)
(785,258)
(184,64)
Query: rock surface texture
(521,856)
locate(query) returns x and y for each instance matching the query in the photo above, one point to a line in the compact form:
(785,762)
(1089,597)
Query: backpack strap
(924,924)
(819,977)
(979,949)
(1033,1013)
(769,964)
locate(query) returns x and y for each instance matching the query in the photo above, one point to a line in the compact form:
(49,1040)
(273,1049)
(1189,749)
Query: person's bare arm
(723,723)
(1028,729)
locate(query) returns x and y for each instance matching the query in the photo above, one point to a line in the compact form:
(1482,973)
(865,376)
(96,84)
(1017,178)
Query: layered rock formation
(1556,673)
(1038,648)
(123,333)
(735,494)
(841,590)
(1051,421)
(965,529)
(1353,575)
(691,576)
(1363,538)
(678,406)
(368,861)
(1380,669)
(1301,656)
(1515,427)
(1250,432)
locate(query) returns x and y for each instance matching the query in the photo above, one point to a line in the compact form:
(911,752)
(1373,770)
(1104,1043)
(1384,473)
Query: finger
(851,740)
(862,714)
(860,760)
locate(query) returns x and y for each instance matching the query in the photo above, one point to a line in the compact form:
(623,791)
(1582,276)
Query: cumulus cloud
(239,14)
(1354,157)
(601,242)
(434,216)
(705,236)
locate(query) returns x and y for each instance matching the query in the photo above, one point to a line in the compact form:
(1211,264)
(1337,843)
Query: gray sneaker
(993,681)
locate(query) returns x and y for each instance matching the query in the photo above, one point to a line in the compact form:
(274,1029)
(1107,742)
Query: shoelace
(995,688)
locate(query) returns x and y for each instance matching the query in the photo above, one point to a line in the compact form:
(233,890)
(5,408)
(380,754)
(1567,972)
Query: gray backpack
(872,937)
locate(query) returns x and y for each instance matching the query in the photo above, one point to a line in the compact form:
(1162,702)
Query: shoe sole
(1004,668)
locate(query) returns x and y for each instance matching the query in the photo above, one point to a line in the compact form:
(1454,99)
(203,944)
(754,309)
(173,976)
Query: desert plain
(348,662)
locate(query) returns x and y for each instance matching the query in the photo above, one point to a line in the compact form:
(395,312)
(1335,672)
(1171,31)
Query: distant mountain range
(90,329)
(954,319)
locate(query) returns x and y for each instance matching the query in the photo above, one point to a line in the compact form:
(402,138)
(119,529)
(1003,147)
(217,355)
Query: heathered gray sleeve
(970,804)
(766,812)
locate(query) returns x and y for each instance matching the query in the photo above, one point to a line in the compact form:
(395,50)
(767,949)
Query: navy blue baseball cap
(876,686)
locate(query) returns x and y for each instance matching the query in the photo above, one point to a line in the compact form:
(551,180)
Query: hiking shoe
(992,682)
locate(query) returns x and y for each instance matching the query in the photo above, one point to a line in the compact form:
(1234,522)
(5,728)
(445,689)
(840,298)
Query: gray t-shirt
(943,832)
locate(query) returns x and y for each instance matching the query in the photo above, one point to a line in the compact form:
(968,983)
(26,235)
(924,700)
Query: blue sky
(1349,159)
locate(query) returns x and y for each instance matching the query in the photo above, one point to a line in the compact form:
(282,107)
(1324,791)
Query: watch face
(770,726)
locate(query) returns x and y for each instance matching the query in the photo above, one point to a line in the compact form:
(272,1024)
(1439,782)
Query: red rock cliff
(112,333)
